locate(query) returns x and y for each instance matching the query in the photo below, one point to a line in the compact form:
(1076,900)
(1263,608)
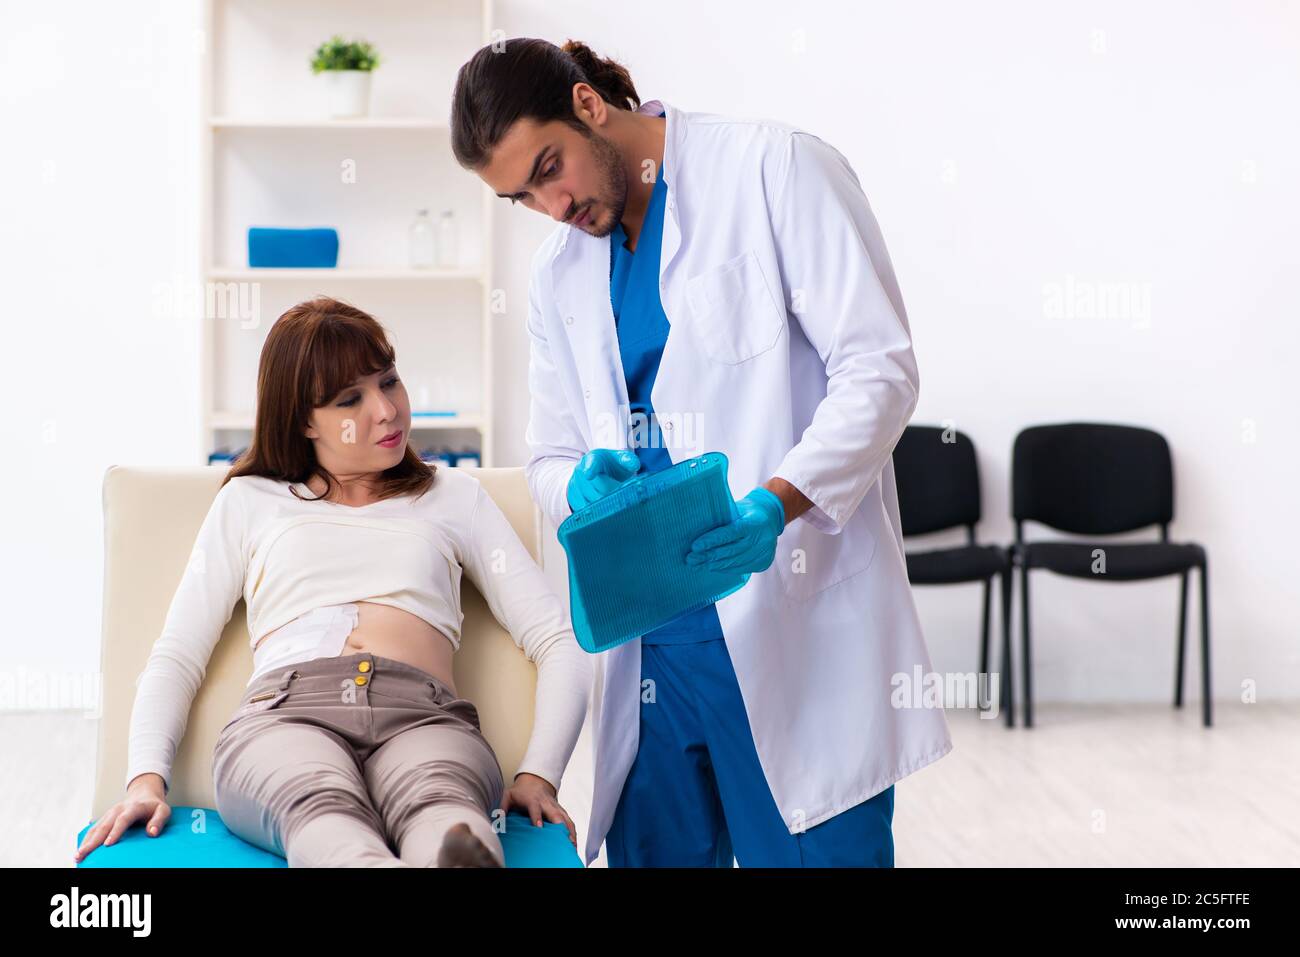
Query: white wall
(1015,153)
(98,210)
(1004,148)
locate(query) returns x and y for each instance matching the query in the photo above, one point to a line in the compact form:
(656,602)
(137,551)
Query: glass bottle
(448,241)
(422,241)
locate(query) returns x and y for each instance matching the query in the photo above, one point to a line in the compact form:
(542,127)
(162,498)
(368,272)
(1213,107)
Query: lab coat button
(587,393)
(569,320)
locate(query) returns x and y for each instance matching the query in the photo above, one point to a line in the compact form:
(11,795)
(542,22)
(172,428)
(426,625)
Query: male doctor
(725,281)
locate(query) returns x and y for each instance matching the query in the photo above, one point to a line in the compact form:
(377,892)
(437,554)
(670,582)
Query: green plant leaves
(339,54)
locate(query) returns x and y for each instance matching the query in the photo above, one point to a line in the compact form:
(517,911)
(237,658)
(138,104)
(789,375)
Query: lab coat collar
(674,135)
(579,281)
(674,131)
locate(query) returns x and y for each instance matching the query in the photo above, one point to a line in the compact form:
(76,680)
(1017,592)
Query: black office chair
(939,488)
(1094,479)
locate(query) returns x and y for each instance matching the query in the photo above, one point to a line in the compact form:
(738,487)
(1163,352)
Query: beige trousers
(355,761)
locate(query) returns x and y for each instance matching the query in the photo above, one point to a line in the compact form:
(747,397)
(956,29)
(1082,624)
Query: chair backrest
(938,479)
(1091,478)
(151,517)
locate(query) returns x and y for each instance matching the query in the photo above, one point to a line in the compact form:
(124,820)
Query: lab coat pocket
(732,312)
(809,561)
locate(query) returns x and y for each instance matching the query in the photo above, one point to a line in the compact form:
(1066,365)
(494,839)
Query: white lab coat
(790,352)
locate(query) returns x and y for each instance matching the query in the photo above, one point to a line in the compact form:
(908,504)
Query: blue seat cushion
(197,837)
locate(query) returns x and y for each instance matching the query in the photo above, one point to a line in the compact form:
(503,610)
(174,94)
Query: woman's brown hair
(532,78)
(313,352)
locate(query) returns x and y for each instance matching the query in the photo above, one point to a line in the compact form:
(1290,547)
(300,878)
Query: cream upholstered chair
(151,518)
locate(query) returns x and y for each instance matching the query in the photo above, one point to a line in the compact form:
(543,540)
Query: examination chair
(151,518)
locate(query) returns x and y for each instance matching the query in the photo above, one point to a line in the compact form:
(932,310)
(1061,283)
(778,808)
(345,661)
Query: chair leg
(1024,651)
(1182,643)
(1006,680)
(1206,697)
(984,640)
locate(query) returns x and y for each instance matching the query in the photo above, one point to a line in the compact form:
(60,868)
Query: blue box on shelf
(272,247)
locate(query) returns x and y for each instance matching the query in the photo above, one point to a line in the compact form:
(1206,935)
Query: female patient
(351,746)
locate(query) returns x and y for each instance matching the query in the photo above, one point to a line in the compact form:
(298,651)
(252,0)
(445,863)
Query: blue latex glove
(598,473)
(749,543)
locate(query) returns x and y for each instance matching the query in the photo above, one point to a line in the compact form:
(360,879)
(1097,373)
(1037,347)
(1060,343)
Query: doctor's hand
(598,473)
(747,544)
(536,797)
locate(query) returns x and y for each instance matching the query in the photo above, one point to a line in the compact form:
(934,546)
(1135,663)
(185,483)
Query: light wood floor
(1138,785)
(1100,786)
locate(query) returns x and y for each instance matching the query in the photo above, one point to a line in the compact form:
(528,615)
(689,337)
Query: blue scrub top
(642,332)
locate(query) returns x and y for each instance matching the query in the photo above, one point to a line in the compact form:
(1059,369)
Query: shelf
(243,421)
(270,154)
(350,274)
(325,123)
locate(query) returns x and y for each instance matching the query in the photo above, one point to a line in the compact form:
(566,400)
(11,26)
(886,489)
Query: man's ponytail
(608,78)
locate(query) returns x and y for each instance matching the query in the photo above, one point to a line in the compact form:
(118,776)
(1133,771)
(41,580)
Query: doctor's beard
(613,183)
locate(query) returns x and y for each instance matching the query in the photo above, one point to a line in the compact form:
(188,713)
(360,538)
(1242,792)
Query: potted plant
(346,66)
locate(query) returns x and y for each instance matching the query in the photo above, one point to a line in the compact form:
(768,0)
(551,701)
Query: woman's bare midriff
(390,632)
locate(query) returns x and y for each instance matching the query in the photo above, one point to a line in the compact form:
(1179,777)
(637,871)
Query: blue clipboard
(627,552)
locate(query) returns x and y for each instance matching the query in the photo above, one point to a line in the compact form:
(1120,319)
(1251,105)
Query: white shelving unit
(271,156)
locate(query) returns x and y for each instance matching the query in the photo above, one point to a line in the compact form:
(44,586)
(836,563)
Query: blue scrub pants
(696,795)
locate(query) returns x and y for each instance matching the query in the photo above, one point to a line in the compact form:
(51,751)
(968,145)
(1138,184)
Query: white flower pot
(348,92)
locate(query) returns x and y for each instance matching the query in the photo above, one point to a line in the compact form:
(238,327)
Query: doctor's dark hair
(531,78)
(313,352)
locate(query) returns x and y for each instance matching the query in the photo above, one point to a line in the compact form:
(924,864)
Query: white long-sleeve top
(287,557)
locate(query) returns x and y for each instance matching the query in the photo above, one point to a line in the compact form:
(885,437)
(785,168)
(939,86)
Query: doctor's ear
(588,105)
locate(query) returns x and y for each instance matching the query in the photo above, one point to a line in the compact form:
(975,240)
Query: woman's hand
(536,795)
(144,801)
